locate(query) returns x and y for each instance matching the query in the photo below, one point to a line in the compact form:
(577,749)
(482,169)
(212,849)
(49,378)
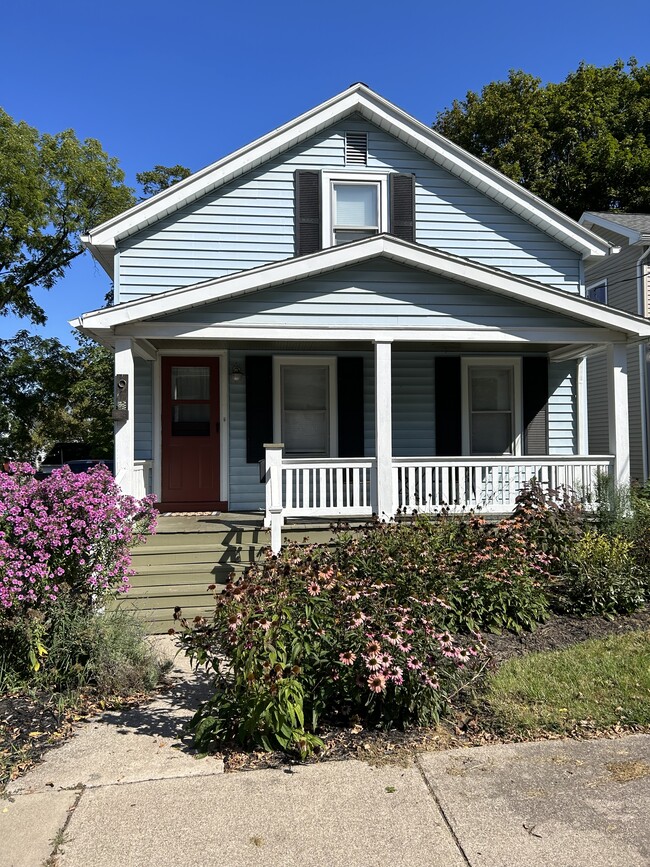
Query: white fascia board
(590,219)
(334,258)
(358,98)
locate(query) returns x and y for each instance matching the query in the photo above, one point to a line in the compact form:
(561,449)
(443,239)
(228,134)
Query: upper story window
(597,292)
(337,207)
(355,207)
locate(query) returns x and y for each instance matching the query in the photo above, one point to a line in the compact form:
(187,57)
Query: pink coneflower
(347,657)
(373,648)
(373,663)
(264,623)
(463,654)
(445,639)
(397,675)
(393,638)
(377,682)
(314,588)
(413,663)
(234,620)
(385,660)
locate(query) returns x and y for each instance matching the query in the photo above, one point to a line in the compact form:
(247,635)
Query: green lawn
(601,682)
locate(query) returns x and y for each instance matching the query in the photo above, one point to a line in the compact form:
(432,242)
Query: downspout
(643,367)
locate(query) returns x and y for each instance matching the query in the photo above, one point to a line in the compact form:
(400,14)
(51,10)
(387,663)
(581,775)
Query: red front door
(190,434)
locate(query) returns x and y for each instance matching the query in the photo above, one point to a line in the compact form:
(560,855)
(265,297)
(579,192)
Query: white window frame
(280,361)
(331,178)
(591,287)
(517,409)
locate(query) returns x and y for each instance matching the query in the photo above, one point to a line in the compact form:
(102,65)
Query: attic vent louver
(356,148)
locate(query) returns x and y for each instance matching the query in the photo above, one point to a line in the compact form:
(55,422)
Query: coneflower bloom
(373,648)
(347,657)
(314,588)
(373,663)
(377,682)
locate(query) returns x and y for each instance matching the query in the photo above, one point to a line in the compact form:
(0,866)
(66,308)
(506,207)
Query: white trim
(477,334)
(357,98)
(468,362)
(582,401)
(224,418)
(156,429)
(329,361)
(333,258)
(329,178)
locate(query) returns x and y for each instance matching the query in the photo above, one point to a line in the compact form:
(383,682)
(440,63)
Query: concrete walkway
(128,791)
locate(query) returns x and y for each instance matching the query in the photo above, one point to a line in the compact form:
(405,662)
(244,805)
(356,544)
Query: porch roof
(594,322)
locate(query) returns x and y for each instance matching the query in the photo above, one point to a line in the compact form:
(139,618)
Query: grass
(600,683)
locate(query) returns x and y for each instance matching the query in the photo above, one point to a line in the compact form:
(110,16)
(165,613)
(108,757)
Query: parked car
(77,456)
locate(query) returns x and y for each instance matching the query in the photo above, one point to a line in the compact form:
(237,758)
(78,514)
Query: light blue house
(410,324)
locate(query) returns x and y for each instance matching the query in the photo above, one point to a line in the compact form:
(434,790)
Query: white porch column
(582,407)
(124,429)
(384,431)
(619,432)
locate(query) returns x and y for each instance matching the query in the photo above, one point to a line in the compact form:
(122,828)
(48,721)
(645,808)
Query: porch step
(174,566)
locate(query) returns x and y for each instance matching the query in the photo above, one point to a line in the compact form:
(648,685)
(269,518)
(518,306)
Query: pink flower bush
(68,533)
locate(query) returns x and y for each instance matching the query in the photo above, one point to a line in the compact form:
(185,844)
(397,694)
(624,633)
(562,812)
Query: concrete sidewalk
(126,791)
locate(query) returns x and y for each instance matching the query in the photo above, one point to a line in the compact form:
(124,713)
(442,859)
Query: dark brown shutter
(349,375)
(534,376)
(447,405)
(259,405)
(307,212)
(402,207)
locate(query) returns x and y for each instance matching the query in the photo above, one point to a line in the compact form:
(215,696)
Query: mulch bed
(30,724)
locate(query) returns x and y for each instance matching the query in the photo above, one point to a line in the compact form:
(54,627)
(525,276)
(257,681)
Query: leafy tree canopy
(160,177)
(582,144)
(50,392)
(52,188)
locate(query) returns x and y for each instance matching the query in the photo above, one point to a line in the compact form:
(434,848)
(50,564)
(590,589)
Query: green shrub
(300,639)
(604,578)
(108,653)
(486,576)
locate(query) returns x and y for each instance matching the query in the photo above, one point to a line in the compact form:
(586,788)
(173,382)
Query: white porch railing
(488,484)
(142,478)
(346,487)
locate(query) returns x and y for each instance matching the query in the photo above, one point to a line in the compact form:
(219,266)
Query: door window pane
(190,383)
(305,410)
(191,420)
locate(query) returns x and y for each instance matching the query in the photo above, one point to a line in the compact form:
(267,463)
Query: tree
(582,144)
(36,378)
(160,177)
(51,393)
(52,188)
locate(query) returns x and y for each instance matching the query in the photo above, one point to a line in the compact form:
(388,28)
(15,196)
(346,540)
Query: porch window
(304,419)
(492,406)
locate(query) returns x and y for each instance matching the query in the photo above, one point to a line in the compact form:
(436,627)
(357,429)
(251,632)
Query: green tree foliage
(160,177)
(52,188)
(50,392)
(582,144)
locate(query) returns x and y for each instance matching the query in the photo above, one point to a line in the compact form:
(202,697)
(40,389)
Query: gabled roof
(634,227)
(356,99)
(333,258)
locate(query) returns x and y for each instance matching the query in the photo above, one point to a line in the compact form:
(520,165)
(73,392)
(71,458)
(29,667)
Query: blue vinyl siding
(143,409)
(249,222)
(562,434)
(378,293)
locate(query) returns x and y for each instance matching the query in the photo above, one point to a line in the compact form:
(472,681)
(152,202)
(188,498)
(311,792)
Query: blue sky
(162,82)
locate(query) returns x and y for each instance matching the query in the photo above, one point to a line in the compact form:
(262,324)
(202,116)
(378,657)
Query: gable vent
(356,148)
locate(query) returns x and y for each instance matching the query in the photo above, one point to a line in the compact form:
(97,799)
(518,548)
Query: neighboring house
(623,282)
(410,323)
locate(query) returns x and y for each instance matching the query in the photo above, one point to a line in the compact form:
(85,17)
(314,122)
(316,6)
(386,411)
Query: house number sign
(121,407)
